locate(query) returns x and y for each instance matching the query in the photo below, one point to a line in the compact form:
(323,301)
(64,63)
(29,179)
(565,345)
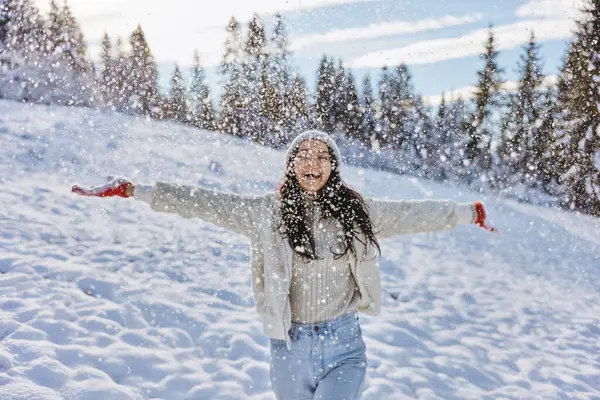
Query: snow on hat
(315,135)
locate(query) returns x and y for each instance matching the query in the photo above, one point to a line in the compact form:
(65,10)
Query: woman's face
(312,165)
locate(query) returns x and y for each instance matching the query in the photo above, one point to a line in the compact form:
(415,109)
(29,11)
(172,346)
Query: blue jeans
(327,361)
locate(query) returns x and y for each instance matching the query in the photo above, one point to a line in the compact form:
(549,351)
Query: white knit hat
(315,135)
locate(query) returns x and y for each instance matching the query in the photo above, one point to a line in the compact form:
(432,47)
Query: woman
(314,248)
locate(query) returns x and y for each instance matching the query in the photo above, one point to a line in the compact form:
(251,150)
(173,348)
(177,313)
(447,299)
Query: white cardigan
(271,256)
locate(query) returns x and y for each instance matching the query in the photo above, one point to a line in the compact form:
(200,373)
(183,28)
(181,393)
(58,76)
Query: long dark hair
(338,201)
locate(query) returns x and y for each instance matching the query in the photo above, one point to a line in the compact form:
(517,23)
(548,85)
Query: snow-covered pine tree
(386,108)
(4,18)
(203,112)
(481,128)
(74,47)
(67,71)
(142,84)
(119,87)
(55,27)
(367,113)
(19,46)
(299,106)
(176,104)
(19,21)
(438,156)
(522,121)
(544,156)
(580,132)
(44,61)
(340,100)
(457,115)
(422,135)
(264,120)
(407,123)
(231,103)
(324,103)
(254,64)
(280,75)
(353,111)
(107,77)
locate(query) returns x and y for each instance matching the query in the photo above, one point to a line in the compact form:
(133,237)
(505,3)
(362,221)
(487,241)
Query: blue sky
(438,39)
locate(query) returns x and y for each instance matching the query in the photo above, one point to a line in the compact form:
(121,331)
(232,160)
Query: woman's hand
(481,216)
(114,187)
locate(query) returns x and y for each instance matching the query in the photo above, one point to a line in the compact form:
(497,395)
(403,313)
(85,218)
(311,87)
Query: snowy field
(104,299)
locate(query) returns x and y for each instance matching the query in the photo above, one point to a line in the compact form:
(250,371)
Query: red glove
(114,187)
(481,217)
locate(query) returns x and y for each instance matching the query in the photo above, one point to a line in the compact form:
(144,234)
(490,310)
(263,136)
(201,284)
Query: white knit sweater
(324,288)
(271,257)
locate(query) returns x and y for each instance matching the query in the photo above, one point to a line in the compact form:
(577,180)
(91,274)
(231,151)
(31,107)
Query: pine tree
(253,65)
(142,85)
(4,20)
(280,74)
(299,106)
(386,108)
(107,79)
(74,46)
(65,44)
(480,128)
(55,28)
(32,69)
(232,99)
(177,108)
(458,114)
(353,111)
(264,121)
(402,123)
(340,98)
(18,28)
(367,112)
(401,99)
(119,87)
(580,92)
(519,130)
(19,43)
(545,153)
(424,141)
(325,117)
(203,114)
(439,155)
(257,40)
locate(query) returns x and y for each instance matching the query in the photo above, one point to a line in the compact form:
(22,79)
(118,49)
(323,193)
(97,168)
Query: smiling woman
(312,165)
(314,246)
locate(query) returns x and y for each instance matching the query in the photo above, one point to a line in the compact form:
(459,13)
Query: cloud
(382,29)
(432,51)
(467,92)
(176,28)
(550,9)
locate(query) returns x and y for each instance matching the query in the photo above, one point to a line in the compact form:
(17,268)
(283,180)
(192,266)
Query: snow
(105,299)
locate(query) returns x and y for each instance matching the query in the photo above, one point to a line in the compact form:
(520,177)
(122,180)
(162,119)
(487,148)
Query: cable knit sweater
(324,288)
(271,257)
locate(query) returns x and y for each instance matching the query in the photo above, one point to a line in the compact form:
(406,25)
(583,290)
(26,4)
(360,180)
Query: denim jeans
(327,361)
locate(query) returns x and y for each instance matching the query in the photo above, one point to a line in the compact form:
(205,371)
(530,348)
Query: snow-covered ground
(104,299)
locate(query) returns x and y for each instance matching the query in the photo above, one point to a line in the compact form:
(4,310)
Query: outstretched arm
(227,210)
(391,218)
(231,211)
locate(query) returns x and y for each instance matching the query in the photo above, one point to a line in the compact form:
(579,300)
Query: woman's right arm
(227,210)
(231,211)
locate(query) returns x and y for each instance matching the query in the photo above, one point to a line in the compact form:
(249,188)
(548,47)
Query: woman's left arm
(392,218)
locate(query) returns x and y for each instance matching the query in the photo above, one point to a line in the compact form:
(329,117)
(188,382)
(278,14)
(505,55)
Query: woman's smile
(312,165)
